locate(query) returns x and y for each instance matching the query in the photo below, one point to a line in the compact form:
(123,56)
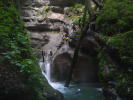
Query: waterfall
(74,92)
(46,71)
(45,67)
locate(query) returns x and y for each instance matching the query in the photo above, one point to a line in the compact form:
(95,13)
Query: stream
(74,91)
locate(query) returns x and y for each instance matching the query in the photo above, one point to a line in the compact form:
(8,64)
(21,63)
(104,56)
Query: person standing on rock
(50,53)
(43,55)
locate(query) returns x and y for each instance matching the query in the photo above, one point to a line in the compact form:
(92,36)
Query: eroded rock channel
(46,22)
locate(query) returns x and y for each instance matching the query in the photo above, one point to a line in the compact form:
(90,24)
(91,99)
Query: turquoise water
(85,93)
(75,91)
(78,92)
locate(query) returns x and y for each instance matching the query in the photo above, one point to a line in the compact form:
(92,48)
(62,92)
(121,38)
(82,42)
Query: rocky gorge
(66,50)
(46,25)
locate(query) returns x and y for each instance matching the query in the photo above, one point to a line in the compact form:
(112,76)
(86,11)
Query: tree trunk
(83,34)
(75,57)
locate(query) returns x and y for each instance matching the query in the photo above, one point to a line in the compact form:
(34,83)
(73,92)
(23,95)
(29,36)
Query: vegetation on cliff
(115,22)
(110,23)
(110,20)
(20,77)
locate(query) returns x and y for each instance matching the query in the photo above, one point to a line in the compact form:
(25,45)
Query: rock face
(85,71)
(61,66)
(38,40)
(47,24)
(61,3)
(89,46)
(37,3)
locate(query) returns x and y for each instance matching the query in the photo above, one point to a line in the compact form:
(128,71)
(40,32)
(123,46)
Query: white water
(56,85)
(47,70)
(74,92)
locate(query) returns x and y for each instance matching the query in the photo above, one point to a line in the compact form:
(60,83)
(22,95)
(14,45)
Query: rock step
(61,3)
(42,20)
(42,27)
(57,9)
(36,3)
(47,25)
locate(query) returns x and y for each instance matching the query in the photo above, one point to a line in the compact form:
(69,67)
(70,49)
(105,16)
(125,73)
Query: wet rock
(89,46)
(61,66)
(85,70)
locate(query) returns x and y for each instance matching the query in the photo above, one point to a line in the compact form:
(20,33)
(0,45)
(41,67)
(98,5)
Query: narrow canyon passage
(66,49)
(47,25)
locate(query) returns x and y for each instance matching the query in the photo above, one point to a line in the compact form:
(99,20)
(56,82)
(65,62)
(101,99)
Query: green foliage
(116,17)
(75,11)
(124,44)
(124,83)
(115,22)
(114,77)
(15,50)
(77,1)
(107,70)
(44,12)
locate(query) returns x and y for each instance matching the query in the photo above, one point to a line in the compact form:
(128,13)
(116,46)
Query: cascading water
(74,92)
(47,68)
(46,71)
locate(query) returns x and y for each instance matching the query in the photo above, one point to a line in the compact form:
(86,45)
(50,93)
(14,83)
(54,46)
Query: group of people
(66,37)
(44,55)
